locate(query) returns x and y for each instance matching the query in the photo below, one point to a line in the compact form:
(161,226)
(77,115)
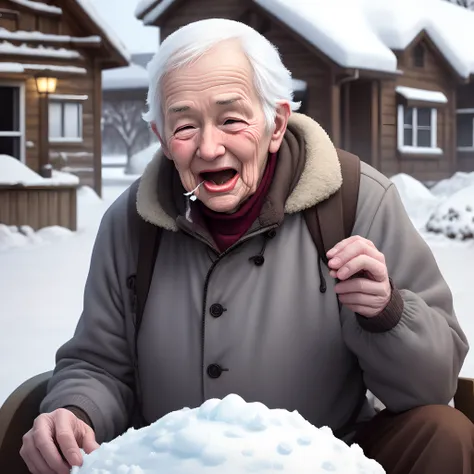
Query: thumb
(89,443)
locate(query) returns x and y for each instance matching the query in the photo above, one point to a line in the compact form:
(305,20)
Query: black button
(214,371)
(271,234)
(216,310)
(258,260)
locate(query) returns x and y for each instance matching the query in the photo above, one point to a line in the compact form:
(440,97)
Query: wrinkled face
(214,127)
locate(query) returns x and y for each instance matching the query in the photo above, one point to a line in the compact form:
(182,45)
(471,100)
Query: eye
(181,129)
(232,121)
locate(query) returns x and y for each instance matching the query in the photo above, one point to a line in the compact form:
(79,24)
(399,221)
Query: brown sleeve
(81,414)
(388,318)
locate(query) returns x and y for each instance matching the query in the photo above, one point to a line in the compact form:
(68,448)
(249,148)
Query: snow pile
(130,77)
(22,236)
(140,160)
(418,200)
(13,172)
(228,436)
(39,6)
(447,187)
(25,50)
(455,216)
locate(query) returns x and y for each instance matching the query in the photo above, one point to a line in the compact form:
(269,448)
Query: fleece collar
(319,177)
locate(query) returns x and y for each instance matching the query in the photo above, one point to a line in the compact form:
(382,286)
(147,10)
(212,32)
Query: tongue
(220,177)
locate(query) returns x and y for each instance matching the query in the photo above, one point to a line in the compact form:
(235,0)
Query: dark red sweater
(227,229)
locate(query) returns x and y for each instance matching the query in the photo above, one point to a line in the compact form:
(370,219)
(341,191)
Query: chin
(223,204)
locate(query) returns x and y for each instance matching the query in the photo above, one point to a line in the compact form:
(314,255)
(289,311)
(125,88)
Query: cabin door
(12,120)
(357,118)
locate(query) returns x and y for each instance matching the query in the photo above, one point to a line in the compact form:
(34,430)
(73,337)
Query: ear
(157,133)
(283,113)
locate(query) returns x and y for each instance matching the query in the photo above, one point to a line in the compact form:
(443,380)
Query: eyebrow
(185,108)
(228,101)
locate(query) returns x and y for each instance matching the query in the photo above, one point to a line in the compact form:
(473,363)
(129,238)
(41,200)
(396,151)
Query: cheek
(182,152)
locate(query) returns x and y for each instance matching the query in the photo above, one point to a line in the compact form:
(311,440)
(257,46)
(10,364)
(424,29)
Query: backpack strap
(333,219)
(149,237)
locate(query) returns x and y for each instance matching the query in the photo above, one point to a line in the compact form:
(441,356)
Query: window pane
(55,120)
(465,124)
(408,117)
(424,138)
(424,117)
(408,137)
(10,146)
(71,120)
(10,109)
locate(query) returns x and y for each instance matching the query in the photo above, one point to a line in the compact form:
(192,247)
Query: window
(465,130)
(65,121)
(8,19)
(12,121)
(417,130)
(419,56)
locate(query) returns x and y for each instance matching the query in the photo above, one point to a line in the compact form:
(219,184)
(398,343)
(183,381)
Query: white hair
(272,80)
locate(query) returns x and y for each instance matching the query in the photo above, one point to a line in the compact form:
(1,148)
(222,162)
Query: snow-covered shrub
(455,216)
(447,187)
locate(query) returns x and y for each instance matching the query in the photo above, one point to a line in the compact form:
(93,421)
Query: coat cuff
(81,414)
(388,318)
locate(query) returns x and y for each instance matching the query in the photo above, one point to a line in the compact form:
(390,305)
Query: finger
(66,437)
(27,460)
(44,442)
(365,311)
(359,299)
(377,270)
(352,250)
(344,243)
(39,462)
(360,285)
(89,443)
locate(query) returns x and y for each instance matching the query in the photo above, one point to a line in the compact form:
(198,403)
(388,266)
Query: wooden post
(97,114)
(43,133)
(335,113)
(375,128)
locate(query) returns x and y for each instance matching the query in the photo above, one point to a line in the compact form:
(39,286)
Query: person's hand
(53,445)
(364,286)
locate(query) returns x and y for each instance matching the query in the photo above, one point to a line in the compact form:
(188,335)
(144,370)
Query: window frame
(466,112)
(64,100)
(414,148)
(21,133)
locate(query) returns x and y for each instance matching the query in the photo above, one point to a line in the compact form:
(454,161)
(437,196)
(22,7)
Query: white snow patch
(447,187)
(130,77)
(418,200)
(455,216)
(14,172)
(142,6)
(21,68)
(38,6)
(25,50)
(229,436)
(421,95)
(38,35)
(154,14)
(14,237)
(140,160)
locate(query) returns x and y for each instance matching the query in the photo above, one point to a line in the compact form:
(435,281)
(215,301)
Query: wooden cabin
(52,54)
(403,104)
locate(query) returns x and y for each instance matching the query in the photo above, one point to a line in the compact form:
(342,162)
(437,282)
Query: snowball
(228,436)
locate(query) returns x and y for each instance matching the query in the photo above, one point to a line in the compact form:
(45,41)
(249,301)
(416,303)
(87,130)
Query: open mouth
(219,177)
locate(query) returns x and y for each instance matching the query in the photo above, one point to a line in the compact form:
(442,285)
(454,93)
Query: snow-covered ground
(42,275)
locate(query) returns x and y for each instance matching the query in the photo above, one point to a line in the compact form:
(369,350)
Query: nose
(210,146)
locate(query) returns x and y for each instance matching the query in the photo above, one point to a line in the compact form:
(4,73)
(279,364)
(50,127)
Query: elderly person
(220,102)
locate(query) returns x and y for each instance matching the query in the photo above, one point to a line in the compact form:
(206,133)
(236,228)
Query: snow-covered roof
(109,33)
(39,6)
(21,68)
(362,34)
(39,36)
(422,95)
(25,50)
(131,77)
